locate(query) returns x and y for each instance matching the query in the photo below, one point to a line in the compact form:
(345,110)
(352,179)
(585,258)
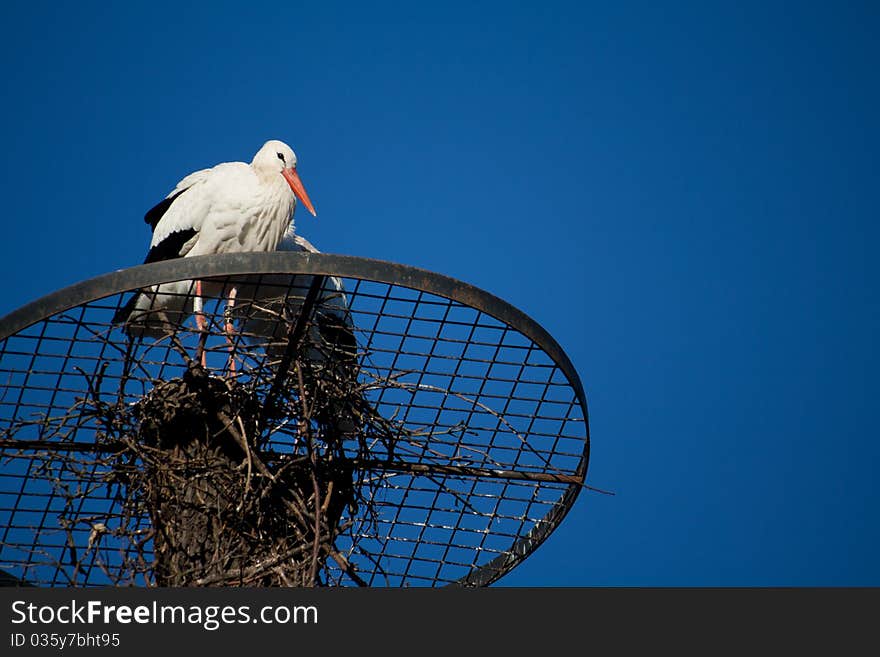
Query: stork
(231,207)
(264,307)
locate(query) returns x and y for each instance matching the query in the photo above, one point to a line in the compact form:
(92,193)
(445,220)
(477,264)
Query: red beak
(299,191)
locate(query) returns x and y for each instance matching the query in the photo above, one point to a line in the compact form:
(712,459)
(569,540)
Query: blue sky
(684,196)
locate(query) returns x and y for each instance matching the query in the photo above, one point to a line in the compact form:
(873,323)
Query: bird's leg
(229,327)
(198,307)
(198,310)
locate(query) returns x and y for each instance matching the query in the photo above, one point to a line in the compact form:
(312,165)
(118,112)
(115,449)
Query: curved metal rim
(240,264)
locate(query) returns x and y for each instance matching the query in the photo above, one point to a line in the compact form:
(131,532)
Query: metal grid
(492,443)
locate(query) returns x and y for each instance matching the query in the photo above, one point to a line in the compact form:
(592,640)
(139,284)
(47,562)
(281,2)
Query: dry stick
(282,576)
(367,464)
(178,346)
(342,562)
(261,467)
(294,336)
(253,571)
(307,423)
(247,487)
(102,338)
(126,372)
(429,469)
(484,407)
(327,497)
(243,442)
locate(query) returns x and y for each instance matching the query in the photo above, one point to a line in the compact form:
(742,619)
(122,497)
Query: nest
(204,501)
(396,433)
(222,513)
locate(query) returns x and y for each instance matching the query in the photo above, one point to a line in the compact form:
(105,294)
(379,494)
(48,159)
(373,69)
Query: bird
(266,304)
(262,298)
(231,207)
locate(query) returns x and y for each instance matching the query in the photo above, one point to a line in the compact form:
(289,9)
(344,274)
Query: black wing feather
(167,249)
(122,314)
(155,213)
(170,247)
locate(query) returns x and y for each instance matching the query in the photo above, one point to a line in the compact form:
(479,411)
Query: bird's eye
(280,156)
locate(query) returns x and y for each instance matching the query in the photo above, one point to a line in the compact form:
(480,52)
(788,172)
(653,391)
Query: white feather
(260,300)
(231,207)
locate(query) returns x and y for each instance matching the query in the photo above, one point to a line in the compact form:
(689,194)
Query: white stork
(262,299)
(231,207)
(267,303)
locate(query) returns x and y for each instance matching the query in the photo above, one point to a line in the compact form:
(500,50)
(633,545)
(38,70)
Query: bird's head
(276,157)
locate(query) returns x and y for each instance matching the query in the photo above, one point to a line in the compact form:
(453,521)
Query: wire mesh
(483,443)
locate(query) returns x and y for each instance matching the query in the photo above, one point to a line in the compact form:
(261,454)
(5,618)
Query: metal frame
(235,264)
